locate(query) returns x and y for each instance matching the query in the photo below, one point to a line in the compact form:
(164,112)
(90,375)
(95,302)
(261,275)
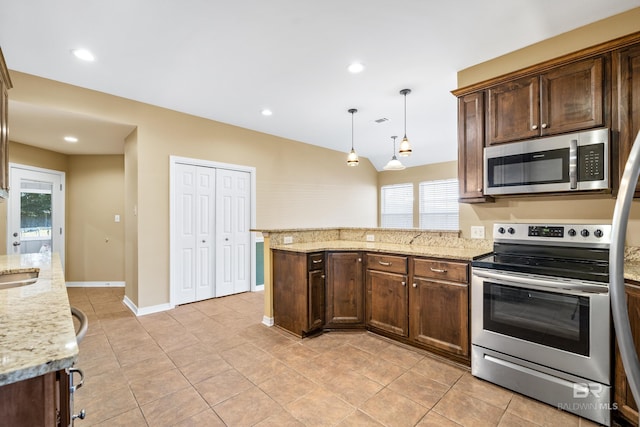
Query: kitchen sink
(17,278)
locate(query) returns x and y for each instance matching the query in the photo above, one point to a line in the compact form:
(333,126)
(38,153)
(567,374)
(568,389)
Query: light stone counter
(460,253)
(37,334)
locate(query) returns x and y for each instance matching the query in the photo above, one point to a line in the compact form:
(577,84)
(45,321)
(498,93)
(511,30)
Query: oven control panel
(593,235)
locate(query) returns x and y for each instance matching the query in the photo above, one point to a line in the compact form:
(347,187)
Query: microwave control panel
(591,162)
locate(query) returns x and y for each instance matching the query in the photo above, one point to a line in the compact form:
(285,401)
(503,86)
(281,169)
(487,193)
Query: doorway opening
(35,211)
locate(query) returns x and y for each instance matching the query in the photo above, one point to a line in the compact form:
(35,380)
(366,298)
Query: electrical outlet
(288,240)
(477,232)
(371,238)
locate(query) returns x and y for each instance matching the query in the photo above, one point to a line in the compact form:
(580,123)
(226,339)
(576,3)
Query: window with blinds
(396,206)
(439,205)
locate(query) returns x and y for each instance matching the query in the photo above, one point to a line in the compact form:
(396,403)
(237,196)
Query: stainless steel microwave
(571,162)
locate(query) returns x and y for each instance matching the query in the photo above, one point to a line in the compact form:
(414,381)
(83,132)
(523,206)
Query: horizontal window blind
(397,206)
(439,205)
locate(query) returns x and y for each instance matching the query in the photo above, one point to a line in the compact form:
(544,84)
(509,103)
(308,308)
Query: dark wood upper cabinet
(564,99)
(626,122)
(5,85)
(471,148)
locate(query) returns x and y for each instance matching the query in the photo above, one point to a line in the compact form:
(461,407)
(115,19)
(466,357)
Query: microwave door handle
(573,164)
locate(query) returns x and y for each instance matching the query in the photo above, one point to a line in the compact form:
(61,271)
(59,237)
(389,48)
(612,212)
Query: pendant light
(405,146)
(394,164)
(352,158)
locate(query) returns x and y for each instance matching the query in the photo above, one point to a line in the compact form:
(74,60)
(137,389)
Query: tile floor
(213,363)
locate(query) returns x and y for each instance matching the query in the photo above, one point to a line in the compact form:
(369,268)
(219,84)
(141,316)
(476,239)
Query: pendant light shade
(394,164)
(405,146)
(352,158)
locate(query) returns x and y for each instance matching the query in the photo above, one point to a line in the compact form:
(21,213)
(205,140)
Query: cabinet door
(627,73)
(345,289)
(572,97)
(627,407)
(290,291)
(471,147)
(439,315)
(387,302)
(31,402)
(513,110)
(316,300)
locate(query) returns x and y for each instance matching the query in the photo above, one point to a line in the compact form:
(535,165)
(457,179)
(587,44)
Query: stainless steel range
(541,317)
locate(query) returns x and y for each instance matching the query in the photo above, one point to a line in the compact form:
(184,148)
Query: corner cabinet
(345,290)
(565,99)
(5,85)
(298,291)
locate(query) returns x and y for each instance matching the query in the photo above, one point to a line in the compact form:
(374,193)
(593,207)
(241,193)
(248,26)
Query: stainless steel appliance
(572,162)
(620,315)
(541,318)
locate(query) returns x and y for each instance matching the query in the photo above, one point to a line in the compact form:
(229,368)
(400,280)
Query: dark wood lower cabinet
(298,291)
(42,401)
(345,290)
(627,407)
(419,301)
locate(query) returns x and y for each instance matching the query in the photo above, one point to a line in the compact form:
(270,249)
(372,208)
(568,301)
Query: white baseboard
(258,288)
(95,284)
(145,310)
(267,321)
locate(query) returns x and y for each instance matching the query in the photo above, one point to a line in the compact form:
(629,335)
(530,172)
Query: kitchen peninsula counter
(459,253)
(37,335)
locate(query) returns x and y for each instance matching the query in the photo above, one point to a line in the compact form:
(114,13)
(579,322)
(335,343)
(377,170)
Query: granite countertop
(466,254)
(632,270)
(37,334)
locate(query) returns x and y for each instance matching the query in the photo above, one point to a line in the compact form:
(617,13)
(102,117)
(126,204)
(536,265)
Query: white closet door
(233,221)
(195,208)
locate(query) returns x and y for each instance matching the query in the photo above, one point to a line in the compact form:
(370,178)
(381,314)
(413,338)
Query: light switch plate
(477,232)
(371,238)
(288,240)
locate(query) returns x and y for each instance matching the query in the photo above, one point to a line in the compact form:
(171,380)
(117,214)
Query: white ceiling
(227,60)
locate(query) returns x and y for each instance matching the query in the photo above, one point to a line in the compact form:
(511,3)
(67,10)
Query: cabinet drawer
(315,261)
(442,270)
(390,263)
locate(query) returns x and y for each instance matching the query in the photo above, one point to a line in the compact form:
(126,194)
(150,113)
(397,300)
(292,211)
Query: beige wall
(298,185)
(595,208)
(95,242)
(94,193)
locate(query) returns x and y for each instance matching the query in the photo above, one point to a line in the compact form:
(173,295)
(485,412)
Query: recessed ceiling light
(267,112)
(356,68)
(71,139)
(83,54)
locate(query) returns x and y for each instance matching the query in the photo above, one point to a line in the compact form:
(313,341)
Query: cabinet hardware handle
(544,126)
(415,285)
(316,261)
(438,270)
(534,127)
(323,276)
(404,283)
(80,415)
(359,259)
(74,387)
(384,263)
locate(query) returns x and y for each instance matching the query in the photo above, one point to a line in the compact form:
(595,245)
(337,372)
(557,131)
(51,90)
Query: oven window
(553,319)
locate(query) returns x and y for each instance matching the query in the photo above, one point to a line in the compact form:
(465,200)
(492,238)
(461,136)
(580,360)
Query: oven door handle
(545,284)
